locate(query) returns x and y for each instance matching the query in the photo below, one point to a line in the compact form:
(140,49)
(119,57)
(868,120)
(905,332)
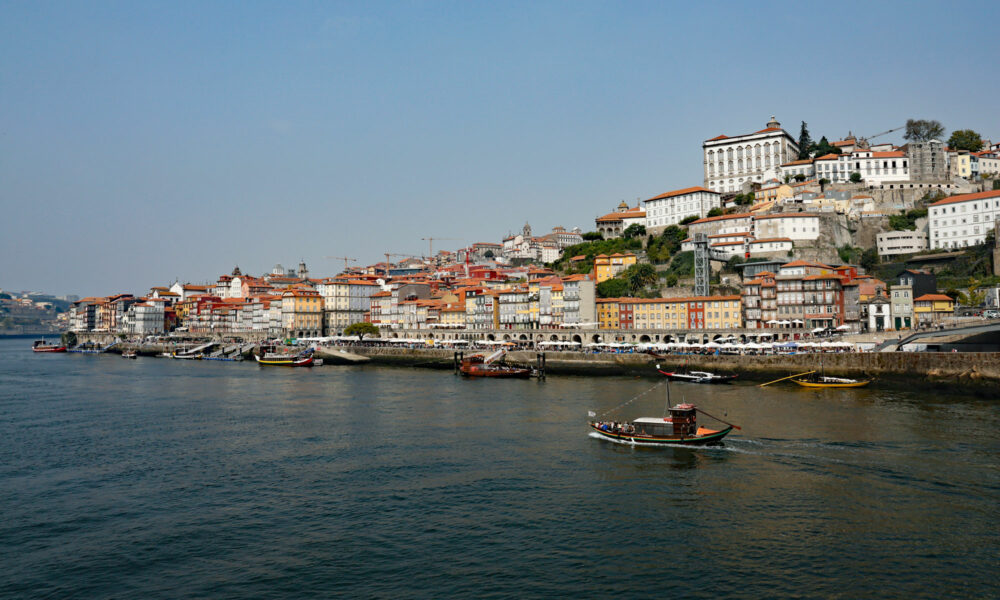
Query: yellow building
(302,313)
(453,315)
(606,267)
(931,308)
(607,313)
(773,193)
(698,312)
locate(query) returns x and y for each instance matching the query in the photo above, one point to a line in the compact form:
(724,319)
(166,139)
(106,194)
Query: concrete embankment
(972,369)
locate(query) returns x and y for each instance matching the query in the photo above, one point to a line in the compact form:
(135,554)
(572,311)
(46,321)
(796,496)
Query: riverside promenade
(972,369)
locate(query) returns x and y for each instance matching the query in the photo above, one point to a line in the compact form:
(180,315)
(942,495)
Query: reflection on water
(181,478)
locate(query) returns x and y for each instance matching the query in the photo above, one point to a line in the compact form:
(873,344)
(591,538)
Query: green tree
(715,212)
(824,147)
(799,177)
(689,219)
(612,288)
(972,296)
(361,330)
(965,139)
(488,254)
(922,130)
(634,230)
(805,142)
(4,296)
(592,236)
(639,277)
(869,259)
(671,279)
(855,177)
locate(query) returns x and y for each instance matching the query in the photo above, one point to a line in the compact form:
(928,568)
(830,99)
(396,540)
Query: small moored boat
(698,377)
(43,346)
(478,365)
(269,356)
(831,382)
(129,354)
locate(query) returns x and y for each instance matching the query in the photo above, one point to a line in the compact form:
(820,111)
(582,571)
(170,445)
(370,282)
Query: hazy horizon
(143,143)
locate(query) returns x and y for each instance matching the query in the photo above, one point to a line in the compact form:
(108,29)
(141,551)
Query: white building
(895,243)
(802,167)
(734,162)
(962,220)
(145,318)
(673,207)
(735,223)
(875,168)
(792,226)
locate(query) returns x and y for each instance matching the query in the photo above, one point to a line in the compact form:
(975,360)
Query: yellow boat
(832,382)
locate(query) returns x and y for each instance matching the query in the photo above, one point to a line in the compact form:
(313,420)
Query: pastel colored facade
(672,207)
(145,318)
(963,220)
(989,162)
(759,300)
(932,308)
(730,163)
(960,163)
(579,297)
(896,243)
(345,302)
(776,192)
(302,313)
(901,309)
(679,314)
(606,267)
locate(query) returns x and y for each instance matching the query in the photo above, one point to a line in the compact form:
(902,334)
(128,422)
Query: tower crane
(345,259)
(387,263)
(430,244)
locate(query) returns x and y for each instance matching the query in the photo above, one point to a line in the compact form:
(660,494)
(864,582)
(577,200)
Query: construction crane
(866,139)
(387,262)
(430,244)
(345,259)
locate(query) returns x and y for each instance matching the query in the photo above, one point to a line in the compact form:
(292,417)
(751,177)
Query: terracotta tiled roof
(933,297)
(682,192)
(722,218)
(717,138)
(968,197)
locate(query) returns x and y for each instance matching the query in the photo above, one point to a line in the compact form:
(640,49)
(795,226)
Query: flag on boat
(591,413)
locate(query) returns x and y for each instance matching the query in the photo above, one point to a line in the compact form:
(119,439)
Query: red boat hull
(51,349)
(509,372)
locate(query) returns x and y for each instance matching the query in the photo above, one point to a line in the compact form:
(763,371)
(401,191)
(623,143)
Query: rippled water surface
(156,478)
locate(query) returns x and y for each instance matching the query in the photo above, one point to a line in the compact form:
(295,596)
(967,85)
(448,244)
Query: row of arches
(602,337)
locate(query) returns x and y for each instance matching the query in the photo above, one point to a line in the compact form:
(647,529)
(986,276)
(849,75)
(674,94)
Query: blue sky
(142,142)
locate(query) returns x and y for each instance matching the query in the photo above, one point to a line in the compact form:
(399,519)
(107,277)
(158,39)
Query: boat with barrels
(43,346)
(680,427)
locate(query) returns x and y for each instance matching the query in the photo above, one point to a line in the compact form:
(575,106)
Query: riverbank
(974,369)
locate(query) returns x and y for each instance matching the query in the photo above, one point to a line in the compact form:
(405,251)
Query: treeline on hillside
(592,249)
(907,220)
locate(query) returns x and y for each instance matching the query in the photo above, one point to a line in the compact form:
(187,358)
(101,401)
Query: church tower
(303,271)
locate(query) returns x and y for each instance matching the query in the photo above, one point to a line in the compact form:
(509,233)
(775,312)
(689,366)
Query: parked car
(992,314)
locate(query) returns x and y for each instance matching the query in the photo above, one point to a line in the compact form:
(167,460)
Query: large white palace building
(733,162)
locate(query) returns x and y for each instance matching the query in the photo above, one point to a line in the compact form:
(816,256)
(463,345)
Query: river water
(156,478)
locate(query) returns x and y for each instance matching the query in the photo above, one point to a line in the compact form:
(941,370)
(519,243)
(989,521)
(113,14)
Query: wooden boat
(43,346)
(831,382)
(186,356)
(698,377)
(476,366)
(680,428)
(129,354)
(269,356)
